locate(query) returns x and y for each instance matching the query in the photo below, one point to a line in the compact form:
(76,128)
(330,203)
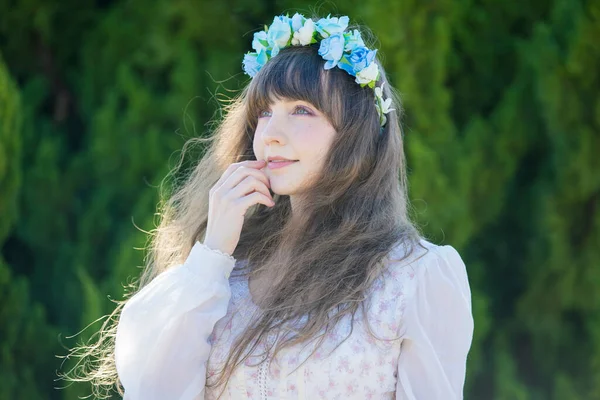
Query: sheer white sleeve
(161,345)
(439,330)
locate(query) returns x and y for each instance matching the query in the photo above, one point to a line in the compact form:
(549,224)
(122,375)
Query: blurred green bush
(502,135)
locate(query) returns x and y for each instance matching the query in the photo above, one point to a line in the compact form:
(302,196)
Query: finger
(235,166)
(241,173)
(255,198)
(249,185)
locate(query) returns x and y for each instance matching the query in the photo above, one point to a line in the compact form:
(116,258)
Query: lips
(279,159)
(280,163)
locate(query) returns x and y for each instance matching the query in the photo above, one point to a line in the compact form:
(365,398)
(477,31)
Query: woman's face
(293,130)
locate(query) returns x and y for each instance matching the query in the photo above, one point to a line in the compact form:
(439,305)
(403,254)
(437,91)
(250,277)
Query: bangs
(297,73)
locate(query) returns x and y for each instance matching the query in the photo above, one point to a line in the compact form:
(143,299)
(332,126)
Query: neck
(296,205)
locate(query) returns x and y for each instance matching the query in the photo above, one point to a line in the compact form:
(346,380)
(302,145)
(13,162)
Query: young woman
(286,265)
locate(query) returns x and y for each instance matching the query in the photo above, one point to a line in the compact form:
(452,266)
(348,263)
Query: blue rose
(329,26)
(297,22)
(361,57)
(279,34)
(345,65)
(253,62)
(332,49)
(260,41)
(353,40)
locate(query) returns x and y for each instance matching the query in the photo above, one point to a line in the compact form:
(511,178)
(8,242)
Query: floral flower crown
(338,47)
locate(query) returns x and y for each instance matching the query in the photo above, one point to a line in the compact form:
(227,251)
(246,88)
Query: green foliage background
(502,135)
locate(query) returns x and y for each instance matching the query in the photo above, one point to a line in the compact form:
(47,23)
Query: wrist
(217,247)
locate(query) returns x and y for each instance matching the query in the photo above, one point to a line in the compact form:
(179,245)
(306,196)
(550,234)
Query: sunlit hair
(322,262)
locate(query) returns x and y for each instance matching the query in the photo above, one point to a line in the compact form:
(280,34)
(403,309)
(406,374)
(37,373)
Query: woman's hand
(242,185)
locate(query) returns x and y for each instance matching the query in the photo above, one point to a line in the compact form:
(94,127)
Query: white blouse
(175,333)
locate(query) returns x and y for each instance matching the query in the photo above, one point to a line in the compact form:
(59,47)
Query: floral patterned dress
(411,344)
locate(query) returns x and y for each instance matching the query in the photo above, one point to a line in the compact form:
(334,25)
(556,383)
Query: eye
(303,110)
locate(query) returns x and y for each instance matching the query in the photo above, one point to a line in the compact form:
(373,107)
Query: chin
(282,190)
(283,187)
(288,186)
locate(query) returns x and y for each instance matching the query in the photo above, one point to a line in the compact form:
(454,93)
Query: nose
(274,130)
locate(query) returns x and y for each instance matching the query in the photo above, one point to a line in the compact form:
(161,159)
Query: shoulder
(419,266)
(422,255)
(412,272)
(433,272)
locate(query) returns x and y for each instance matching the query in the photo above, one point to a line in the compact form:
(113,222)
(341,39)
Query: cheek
(317,143)
(257,147)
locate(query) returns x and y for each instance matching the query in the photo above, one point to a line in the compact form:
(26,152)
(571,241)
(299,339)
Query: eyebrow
(274,99)
(287,100)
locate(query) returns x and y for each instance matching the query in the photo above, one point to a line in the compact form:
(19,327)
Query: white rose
(384,105)
(367,74)
(303,36)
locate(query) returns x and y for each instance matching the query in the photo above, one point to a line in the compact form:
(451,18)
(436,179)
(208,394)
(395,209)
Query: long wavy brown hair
(322,262)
